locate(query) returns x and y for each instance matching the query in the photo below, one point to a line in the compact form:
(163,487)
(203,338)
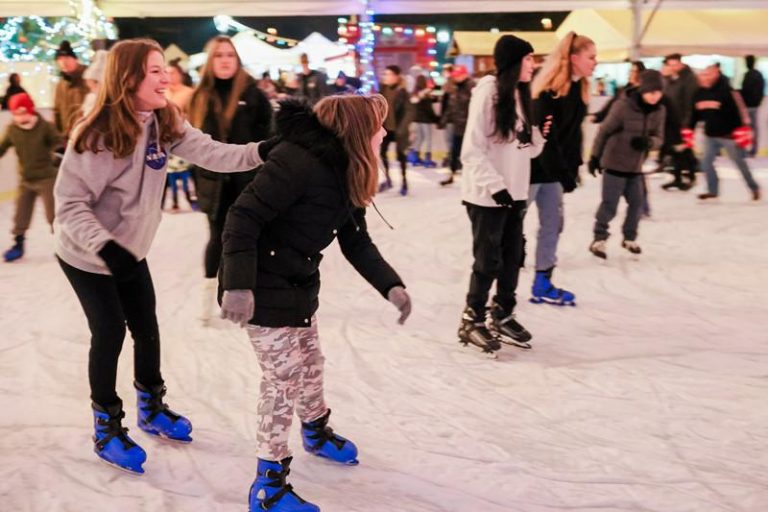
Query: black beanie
(510,50)
(65,50)
(651,80)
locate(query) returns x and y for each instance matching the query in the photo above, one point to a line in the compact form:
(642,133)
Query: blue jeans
(423,135)
(712,147)
(753,119)
(549,203)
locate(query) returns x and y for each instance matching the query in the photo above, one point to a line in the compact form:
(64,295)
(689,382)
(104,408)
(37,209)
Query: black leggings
(109,305)
(389,138)
(498,249)
(229,194)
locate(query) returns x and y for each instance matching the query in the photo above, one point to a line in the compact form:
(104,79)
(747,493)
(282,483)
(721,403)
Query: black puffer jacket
(293,209)
(251,123)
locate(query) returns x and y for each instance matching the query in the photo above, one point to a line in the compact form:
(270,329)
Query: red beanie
(19,100)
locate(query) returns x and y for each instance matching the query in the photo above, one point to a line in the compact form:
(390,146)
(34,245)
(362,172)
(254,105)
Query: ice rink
(651,395)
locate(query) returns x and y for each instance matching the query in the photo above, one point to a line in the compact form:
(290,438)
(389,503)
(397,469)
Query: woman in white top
(499,143)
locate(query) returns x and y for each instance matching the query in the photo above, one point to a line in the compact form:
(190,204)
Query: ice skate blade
(163,437)
(512,341)
(490,354)
(124,469)
(543,300)
(353,462)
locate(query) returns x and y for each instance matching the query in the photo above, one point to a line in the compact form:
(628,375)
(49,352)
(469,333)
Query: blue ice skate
(544,292)
(111,441)
(155,418)
(16,251)
(319,439)
(271,492)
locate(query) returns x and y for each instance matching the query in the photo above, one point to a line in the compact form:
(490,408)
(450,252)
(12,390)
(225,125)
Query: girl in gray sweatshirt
(108,195)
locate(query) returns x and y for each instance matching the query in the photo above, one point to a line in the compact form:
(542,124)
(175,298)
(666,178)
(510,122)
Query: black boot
(473,330)
(503,324)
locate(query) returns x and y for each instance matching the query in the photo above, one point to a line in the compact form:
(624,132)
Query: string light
(365,47)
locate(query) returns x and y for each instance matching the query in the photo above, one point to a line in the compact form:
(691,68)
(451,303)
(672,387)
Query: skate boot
(473,330)
(404,189)
(271,492)
(385,185)
(503,325)
(111,441)
(428,162)
(319,439)
(447,181)
(156,419)
(16,251)
(597,247)
(413,158)
(631,246)
(543,291)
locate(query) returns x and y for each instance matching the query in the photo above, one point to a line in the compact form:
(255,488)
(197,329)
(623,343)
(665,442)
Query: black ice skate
(503,325)
(472,330)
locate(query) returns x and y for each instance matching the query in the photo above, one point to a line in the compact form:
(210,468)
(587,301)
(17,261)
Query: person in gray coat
(634,126)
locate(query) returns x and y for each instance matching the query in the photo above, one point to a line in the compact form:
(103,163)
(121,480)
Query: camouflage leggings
(292,367)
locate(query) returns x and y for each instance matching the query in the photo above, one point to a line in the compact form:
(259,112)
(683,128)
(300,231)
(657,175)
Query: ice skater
(561,94)
(313,189)
(107,195)
(34,140)
(634,126)
(498,145)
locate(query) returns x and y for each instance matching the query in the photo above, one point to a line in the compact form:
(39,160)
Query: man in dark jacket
(70,91)
(457,114)
(396,124)
(313,84)
(715,105)
(752,90)
(680,86)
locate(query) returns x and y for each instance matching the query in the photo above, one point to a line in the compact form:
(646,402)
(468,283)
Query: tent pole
(637,28)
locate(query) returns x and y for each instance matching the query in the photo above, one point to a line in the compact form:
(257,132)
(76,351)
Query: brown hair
(113,124)
(205,94)
(556,73)
(355,120)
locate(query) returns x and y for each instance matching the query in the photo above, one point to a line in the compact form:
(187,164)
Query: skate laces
(114,429)
(322,433)
(155,406)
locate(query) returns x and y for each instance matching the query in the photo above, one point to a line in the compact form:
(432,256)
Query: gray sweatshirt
(101,198)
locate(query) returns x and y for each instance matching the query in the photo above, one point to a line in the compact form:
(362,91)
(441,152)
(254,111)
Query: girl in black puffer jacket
(313,188)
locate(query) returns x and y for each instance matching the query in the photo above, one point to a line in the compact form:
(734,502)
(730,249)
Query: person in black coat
(753,90)
(313,189)
(229,106)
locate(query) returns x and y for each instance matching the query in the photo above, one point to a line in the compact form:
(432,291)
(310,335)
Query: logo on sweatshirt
(154,158)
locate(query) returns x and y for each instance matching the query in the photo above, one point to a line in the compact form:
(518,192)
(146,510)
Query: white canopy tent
(180,8)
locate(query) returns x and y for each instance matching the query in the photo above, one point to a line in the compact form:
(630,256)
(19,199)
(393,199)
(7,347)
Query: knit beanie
(510,50)
(65,50)
(20,100)
(650,80)
(97,68)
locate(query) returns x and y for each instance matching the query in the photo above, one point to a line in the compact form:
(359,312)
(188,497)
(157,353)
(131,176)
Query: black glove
(594,166)
(266,146)
(640,143)
(119,261)
(503,198)
(568,182)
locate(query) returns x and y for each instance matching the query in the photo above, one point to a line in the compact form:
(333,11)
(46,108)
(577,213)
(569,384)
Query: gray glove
(402,301)
(237,305)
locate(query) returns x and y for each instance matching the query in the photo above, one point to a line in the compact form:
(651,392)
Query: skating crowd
(283,168)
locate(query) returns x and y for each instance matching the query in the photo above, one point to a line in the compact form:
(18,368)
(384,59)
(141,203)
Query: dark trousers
(456,144)
(388,139)
(497,246)
(614,188)
(216,220)
(109,305)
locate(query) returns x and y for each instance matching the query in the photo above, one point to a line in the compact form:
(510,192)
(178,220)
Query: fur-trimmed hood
(297,124)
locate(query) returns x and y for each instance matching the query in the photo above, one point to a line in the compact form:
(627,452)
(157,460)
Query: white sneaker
(598,249)
(631,246)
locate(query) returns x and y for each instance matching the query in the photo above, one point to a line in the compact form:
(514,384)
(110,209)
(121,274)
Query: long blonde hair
(113,123)
(205,93)
(355,120)
(557,71)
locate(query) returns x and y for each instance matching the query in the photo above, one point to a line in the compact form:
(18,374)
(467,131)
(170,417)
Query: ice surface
(649,396)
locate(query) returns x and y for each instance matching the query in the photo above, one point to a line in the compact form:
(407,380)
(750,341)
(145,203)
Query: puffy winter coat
(294,208)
